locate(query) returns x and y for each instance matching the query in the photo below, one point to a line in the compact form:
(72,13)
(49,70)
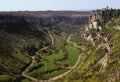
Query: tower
(107,7)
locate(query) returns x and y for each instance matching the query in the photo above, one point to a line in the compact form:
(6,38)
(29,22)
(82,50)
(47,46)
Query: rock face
(95,19)
(45,18)
(20,38)
(59,21)
(95,25)
(11,19)
(22,34)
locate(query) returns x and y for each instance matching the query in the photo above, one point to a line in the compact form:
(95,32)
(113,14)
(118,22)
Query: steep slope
(19,39)
(55,21)
(100,61)
(25,37)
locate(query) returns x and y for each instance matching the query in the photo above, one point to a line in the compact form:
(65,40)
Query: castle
(95,18)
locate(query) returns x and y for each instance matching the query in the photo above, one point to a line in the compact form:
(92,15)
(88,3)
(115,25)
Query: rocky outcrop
(44,18)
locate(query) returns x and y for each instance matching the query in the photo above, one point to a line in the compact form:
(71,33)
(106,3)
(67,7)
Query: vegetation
(17,43)
(73,53)
(25,80)
(90,69)
(111,15)
(22,37)
(55,63)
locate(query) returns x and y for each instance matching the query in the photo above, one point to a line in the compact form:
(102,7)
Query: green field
(73,53)
(49,63)
(54,64)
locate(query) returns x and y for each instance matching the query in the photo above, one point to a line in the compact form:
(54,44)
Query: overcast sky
(15,5)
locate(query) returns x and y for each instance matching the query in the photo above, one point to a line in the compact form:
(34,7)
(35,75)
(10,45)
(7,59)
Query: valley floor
(71,69)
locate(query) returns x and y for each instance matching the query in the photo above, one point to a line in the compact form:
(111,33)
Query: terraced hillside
(60,46)
(19,41)
(100,61)
(34,47)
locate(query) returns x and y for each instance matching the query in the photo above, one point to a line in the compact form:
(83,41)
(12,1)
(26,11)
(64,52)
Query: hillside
(27,37)
(60,46)
(18,41)
(100,61)
(53,20)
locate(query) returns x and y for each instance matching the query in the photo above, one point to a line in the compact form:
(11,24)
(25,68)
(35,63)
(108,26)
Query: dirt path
(52,40)
(69,71)
(72,69)
(103,61)
(33,60)
(56,77)
(74,44)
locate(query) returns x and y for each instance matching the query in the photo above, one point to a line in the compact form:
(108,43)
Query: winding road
(74,44)
(59,76)
(72,68)
(69,71)
(33,59)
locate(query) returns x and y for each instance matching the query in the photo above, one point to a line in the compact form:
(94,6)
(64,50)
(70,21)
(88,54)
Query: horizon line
(46,10)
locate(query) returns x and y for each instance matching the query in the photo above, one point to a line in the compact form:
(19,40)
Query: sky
(40,5)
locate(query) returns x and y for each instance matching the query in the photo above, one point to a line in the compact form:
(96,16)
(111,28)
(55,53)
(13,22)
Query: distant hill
(19,39)
(22,34)
(53,20)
